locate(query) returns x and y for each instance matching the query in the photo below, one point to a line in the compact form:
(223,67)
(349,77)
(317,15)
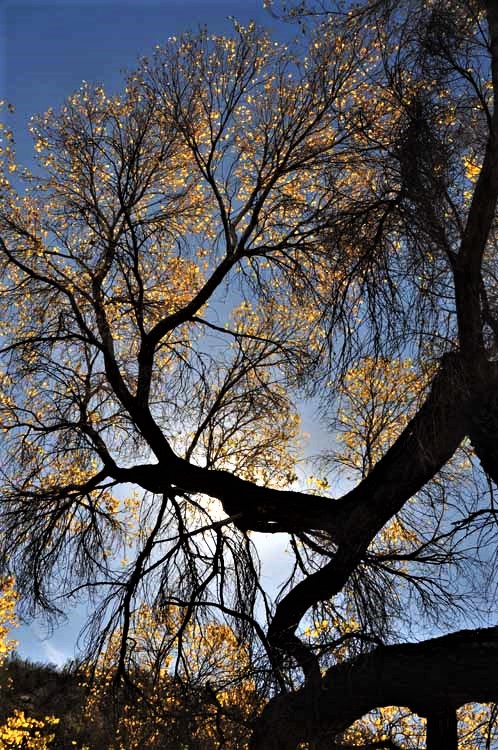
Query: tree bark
(442,673)
(442,730)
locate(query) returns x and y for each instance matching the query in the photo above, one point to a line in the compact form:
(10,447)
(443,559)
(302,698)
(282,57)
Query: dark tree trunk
(442,730)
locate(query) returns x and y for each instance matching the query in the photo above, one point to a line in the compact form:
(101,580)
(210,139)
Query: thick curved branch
(425,445)
(483,421)
(421,676)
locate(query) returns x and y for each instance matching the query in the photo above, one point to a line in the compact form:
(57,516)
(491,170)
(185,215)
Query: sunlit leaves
(376,400)
(22,731)
(8,618)
(476,728)
(18,730)
(193,694)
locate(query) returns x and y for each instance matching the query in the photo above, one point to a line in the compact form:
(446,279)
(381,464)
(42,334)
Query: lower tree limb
(442,672)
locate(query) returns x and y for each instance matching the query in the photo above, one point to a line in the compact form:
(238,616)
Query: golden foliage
(377,398)
(19,730)
(209,693)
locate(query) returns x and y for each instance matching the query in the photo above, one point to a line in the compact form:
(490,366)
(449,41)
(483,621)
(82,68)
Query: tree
(248,226)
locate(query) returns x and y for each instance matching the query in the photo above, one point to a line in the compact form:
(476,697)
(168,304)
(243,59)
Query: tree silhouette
(250,225)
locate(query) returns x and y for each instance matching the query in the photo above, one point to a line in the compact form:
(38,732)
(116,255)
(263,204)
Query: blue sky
(46,50)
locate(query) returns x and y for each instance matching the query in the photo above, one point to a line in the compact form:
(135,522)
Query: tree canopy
(249,230)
